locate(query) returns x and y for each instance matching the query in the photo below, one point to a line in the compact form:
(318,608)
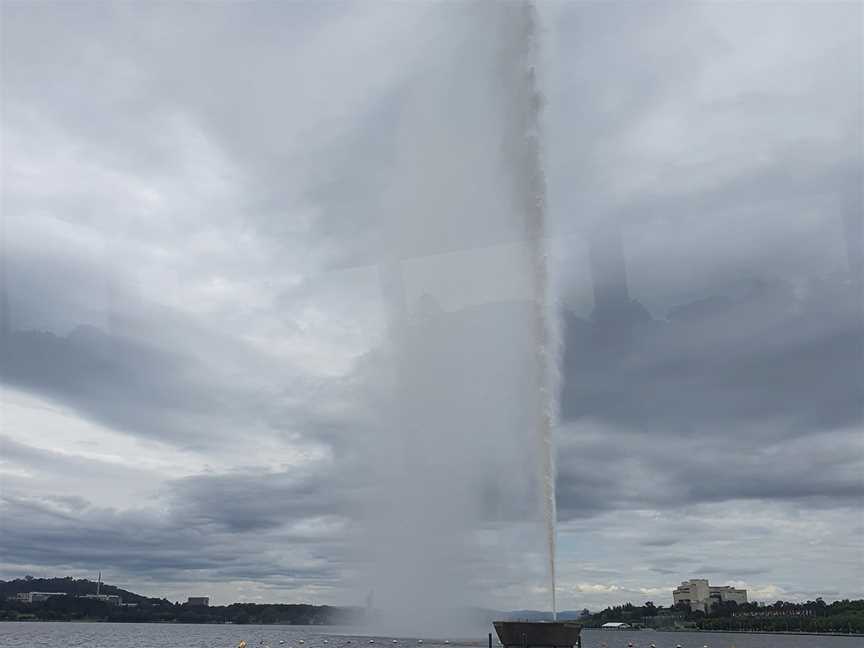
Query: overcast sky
(192,199)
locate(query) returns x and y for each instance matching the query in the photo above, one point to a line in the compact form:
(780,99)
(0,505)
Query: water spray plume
(465,389)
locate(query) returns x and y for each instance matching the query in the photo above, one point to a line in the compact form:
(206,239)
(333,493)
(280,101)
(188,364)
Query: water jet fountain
(469,382)
(523,634)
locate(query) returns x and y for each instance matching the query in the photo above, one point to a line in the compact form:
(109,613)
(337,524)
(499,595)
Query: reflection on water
(153,635)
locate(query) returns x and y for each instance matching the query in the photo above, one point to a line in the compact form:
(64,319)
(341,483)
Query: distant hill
(488,616)
(145,609)
(68,585)
(537,615)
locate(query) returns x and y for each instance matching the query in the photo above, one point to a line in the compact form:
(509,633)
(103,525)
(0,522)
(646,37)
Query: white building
(36,597)
(615,626)
(699,595)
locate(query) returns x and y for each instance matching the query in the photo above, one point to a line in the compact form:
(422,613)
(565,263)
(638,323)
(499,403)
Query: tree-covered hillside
(71,607)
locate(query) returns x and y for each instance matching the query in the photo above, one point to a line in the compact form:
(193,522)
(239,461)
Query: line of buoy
(446,642)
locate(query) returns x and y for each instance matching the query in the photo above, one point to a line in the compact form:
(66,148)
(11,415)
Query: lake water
(134,635)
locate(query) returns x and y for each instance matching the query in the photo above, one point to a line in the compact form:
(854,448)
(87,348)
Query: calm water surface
(134,635)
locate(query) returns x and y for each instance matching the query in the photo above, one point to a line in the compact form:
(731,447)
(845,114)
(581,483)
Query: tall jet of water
(545,329)
(463,389)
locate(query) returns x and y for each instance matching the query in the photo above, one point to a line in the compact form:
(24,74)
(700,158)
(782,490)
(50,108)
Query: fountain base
(538,634)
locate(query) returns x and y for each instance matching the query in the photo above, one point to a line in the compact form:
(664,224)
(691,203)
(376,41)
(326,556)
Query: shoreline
(466,642)
(746,632)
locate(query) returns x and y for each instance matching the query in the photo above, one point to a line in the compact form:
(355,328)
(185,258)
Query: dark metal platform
(539,634)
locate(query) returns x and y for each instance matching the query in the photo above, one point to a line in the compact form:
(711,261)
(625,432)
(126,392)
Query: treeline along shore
(68,599)
(816,617)
(72,600)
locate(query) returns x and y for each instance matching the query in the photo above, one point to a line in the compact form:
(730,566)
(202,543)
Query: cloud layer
(197,204)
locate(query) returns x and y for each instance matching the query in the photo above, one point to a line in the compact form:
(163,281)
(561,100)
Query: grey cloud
(815,471)
(127,384)
(69,472)
(69,533)
(709,363)
(235,502)
(754,358)
(151,370)
(730,572)
(659,542)
(716,385)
